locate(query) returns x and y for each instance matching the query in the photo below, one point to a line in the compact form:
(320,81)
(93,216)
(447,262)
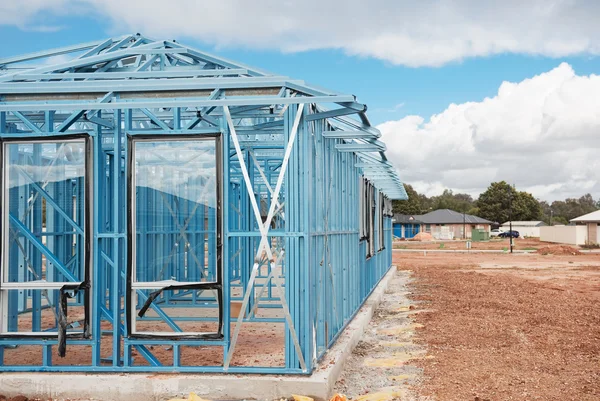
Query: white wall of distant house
(452,231)
(524,231)
(573,235)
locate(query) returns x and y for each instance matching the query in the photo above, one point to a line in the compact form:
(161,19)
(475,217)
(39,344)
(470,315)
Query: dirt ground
(506,327)
(17,398)
(251,348)
(498,244)
(379,368)
(478,326)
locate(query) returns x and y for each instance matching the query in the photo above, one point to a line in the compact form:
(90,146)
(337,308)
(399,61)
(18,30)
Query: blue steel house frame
(149,188)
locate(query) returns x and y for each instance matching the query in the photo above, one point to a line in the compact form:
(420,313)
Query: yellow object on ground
(386,395)
(398,359)
(301,398)
(339,397)
(192,397)
(400,329)
(404,377)
(396,343)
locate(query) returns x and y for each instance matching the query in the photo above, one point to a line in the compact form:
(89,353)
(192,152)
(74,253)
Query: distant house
(591,220)
(448,224)
(405,226)
(441,224)
(525,228)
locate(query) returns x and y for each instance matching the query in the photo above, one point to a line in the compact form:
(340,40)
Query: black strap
(196,286)
(65,293)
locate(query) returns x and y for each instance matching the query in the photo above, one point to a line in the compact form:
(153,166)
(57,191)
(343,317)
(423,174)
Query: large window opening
(175,277)
(367,207)
(362,206)
(380,214)
(45,230)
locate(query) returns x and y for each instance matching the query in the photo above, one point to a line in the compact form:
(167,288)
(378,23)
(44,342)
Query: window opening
(175,237)
(46,230)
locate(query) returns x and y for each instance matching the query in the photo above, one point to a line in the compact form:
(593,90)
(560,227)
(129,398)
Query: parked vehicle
(496,232)
(507,234)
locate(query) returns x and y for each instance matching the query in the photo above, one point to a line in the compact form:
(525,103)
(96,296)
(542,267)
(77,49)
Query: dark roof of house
(406,219)
(441,216)
(447,216)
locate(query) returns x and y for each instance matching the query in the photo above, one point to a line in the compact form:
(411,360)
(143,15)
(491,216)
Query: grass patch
(530,248)
(442,245)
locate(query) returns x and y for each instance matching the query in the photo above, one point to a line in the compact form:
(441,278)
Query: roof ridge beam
(103,76)
(49,53)
(207,57)
(165,102)
(97,49)
(116,46)
(348,134)
(93,86)
(104,57)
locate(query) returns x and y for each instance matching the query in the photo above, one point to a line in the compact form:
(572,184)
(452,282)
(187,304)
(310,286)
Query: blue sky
(408,61)
(390,91)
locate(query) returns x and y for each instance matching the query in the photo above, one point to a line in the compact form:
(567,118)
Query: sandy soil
(494,244)
(410,260)
(507,327)
(459,326)
(259,344)
(17,398)
(380,368)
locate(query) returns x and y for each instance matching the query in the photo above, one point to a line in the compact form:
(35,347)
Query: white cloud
(407,32)
(26,13)
(542,134)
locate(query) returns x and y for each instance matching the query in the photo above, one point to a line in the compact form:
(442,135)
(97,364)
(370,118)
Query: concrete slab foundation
(145,386)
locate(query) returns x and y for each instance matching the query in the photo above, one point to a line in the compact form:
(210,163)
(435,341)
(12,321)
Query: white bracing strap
(264,231)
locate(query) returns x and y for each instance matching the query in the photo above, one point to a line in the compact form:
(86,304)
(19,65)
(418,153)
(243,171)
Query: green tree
(412,205)
(563,211)
(450,200)
(426,203)
(474,210)
(526,207)
(547,214)
(496,202)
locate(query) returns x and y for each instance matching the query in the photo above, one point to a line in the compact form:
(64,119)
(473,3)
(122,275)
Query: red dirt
(497,244)
(558,250)
(16,398)
(508,327)
(450,260)
(422,237)
(258,345)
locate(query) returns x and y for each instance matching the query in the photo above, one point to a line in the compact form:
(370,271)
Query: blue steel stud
(135,86)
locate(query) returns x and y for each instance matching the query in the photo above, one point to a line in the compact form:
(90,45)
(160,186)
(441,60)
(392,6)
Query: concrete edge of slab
(333,361)
(162,386)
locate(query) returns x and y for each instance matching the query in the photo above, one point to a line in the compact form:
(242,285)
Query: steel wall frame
(267,124)
(216,284)
(86,247)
